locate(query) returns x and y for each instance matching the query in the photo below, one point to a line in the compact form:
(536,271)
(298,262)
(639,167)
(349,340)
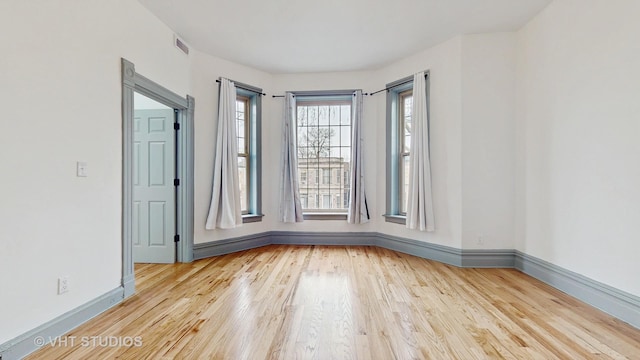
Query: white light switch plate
(82,169)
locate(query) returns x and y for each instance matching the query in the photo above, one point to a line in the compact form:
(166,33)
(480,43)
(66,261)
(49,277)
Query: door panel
(153,191)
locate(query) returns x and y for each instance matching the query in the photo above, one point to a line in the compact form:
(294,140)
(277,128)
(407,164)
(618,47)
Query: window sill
(250,218)
(325,216)
(396,219)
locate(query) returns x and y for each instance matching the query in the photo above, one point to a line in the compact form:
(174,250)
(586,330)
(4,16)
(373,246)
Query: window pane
(241,144)
(345,115)
(323,117)
(312,115)
(405,183)
(323,153)
(302,116)
(242,179)
(321,139)
(326,201)
(334,115)
(345,135)
(408,103)
(406,122)
(335,135)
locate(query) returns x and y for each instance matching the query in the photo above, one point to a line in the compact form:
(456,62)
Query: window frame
(395,144)
(246,154)
(402,153)
(253,143)
(324,98)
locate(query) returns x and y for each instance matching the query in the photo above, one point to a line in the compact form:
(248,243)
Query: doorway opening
(161,160)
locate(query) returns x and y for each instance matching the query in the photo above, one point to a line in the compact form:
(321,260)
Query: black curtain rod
(391,87)
(244,88)
(281,96)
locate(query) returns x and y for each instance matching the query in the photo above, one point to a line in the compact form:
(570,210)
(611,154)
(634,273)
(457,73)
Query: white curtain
(358,212)
(420,203)
(290,207)
(225,211)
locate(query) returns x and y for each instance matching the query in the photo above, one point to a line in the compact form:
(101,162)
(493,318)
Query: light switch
(82,169)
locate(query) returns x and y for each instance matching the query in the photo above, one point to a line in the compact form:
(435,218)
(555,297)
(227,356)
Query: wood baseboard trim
(443,254)
(614,302)
(322,238)
(227,246)
(31,341)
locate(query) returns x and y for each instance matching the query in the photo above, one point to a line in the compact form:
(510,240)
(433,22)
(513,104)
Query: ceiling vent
(180,44)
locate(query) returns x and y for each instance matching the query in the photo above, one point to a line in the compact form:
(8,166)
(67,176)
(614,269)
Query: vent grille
(181,45)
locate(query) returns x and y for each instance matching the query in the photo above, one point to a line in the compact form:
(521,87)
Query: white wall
(61,99)
(488,140)
(485,133)
(444,63)
(205,70)
(578,113)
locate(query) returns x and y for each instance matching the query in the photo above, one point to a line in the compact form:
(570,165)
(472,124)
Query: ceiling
(295,36)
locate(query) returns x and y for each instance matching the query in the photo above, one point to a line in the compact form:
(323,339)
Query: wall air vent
(180,44)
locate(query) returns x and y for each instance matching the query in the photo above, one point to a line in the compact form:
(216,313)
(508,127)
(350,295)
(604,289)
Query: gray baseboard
(129,285)
(25,344)
(321,238)
(227,246)
(480,258)
(614,302)
(443,254)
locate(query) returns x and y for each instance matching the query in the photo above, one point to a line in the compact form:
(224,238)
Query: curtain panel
(290,206)
(358,212)
(420,203)
(225,211)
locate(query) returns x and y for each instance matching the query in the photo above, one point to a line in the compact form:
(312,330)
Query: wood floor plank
(333,302)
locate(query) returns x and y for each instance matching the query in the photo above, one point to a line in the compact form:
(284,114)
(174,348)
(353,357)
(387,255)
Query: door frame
(132,81)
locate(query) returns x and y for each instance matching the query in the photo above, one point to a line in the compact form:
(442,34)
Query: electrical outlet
(63,285)
(480,240)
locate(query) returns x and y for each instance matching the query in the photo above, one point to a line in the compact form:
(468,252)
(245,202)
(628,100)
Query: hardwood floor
(321,302)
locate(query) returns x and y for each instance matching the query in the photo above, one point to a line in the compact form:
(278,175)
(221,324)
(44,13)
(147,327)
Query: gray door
(154,203)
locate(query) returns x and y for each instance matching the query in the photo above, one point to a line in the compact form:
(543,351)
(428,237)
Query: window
(326,176)
(303,177)
(404,125)
(248,127)
(399,107)
(242,130)
(326,201)
(324,148)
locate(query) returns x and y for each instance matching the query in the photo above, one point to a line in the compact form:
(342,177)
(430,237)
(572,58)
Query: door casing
(132,81)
